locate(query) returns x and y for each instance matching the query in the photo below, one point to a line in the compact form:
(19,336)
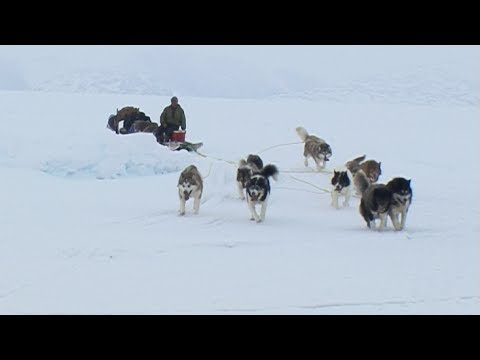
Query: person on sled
(171,119)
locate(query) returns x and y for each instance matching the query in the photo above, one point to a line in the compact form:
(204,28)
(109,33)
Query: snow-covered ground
(89,221)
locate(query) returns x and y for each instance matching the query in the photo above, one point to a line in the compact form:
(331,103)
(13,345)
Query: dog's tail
(356,161)
(302,133)
(353,165)
(360,159)
(270,170)
(361,181)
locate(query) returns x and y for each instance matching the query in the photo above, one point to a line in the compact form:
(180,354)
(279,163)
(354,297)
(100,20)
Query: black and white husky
(341,186)
(258,190)
(402,195)
(376,201)
(190,184)
(245,171)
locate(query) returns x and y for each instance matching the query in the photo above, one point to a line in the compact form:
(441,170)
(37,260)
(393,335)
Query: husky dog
(402,195)
(375,203)
(245,171)
(361,182)
(315,148)
(258,190)
(190,184)
(341,186)
(371,168)
(354,165)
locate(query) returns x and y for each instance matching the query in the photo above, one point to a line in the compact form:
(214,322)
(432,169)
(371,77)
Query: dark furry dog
(245,171)
(402,195)
(375,204)
(258,190)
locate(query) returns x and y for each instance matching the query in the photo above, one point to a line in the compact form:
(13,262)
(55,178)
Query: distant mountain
(419,89)
(105,83)
(420,86)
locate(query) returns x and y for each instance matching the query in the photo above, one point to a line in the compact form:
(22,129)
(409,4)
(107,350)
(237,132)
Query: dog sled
(177,142)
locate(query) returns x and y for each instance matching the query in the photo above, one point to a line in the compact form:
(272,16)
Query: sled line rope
(309,183)
(294,189)
(306,172)
(279,145)
(218,159)
(282,171)
(209,169)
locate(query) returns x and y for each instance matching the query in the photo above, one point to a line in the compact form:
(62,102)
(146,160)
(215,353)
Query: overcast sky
(226,69)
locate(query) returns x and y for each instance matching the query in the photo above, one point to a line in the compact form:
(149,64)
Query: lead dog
(190,184)
(314,148)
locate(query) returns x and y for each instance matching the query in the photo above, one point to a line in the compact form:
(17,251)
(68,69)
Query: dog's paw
(181,213)
(258,220)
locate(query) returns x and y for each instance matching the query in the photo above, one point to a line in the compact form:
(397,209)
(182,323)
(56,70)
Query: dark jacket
(171,116)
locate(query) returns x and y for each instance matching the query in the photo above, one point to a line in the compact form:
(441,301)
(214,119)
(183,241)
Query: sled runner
(177,142)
